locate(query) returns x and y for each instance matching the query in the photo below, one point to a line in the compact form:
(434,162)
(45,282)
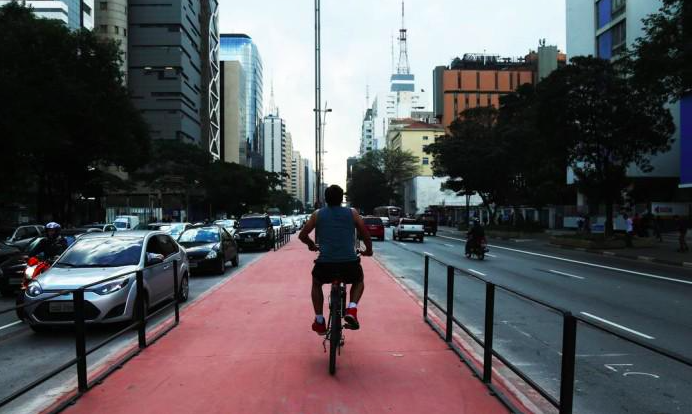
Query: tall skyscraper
(309,177)
(367,138)
(74,13)
(233,118)
(111,23)
(297,189)
(274,134)
(286,161)
(171,77)
(240,47)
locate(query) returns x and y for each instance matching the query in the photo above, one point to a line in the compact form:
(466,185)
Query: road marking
(612,366)
(476,272)
(641,373)
(566,274)
(624,328)
(615,269)
(402,244)
(429,254)
(491,255)
(9,325)
(448,245)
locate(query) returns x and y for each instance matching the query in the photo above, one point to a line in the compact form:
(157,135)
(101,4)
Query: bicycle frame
(335,335)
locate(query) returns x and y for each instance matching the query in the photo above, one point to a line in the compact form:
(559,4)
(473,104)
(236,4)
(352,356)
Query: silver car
(99,256)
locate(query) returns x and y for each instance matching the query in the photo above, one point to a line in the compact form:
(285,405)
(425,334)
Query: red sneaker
(320,328)
(351,319)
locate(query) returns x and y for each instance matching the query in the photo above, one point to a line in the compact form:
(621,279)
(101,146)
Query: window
(425,138)
(116,29)
(103,28)
(124,32)
(426,161)
(619,36)
(167,246)
(617,7)
(104,5)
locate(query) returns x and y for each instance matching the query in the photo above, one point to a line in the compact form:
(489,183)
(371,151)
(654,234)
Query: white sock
(319,318)
(352,305)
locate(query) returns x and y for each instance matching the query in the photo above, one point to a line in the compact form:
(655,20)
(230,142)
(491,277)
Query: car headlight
(112,286)
(263,234)
(34,289)
(211,254)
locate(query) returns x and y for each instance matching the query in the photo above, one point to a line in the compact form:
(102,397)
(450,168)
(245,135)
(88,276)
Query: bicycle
(335,335)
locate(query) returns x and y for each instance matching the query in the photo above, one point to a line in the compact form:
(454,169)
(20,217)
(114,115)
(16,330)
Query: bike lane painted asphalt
(248,348)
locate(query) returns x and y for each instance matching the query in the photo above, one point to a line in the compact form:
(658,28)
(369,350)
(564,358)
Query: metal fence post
(569,350)
(141,306)
(489,324)
(425,286)
(450,303)
(80,338)
(176,291)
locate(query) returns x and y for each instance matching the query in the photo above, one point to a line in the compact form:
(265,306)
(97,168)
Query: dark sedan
(12,266)
(255,231)
(208,248)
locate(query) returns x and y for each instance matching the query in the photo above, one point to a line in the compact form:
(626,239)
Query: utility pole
(318,105)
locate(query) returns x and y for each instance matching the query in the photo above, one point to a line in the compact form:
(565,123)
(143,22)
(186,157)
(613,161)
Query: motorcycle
(478,249)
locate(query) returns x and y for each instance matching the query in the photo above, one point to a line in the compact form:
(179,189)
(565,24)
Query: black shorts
(347,272)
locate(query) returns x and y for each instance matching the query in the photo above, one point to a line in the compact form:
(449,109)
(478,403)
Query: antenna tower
(403,68)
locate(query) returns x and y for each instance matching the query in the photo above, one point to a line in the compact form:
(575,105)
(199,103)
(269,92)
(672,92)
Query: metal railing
(81,351)
(565,403)
(281,238)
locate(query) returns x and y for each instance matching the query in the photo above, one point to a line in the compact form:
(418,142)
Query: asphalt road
(648,301)
(25,355)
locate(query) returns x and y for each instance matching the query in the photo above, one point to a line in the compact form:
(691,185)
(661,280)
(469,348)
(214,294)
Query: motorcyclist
(475,234)
(53,245)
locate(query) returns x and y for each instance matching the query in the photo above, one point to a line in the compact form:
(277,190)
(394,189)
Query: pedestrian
(658,228)
(682,234)
(629,230)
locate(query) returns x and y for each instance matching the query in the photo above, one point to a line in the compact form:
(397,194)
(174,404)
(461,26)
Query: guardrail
(281,239)
(565,403)
(81,351)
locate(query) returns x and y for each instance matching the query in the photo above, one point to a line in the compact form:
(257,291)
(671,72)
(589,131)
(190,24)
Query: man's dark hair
(334,195)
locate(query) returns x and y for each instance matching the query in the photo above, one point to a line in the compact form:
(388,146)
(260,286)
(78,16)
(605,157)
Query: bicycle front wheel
(335,329)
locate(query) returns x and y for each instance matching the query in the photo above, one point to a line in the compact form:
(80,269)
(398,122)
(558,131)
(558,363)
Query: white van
(126,222)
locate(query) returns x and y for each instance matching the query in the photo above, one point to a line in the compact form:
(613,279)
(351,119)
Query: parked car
(276,224)
(408,228)
(165,227)
(429,224)
(208,248)
(255,231)
(23,235)
(385,221)
(177,228)
(228,224)
(126,222)
(288,224)
(98,256)
(100,226)
(374,226)
(12,267)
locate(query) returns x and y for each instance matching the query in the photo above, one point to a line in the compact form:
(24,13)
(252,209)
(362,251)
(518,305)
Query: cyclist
(335,227)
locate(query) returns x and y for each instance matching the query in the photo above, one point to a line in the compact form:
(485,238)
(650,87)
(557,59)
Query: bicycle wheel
(335,327)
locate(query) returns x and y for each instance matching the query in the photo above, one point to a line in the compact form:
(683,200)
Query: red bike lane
(248,348)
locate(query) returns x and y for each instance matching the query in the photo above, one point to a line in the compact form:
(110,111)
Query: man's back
(335,231)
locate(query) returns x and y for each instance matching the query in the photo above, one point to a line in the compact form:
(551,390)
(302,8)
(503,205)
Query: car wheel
(222,265)
(236,260)
(184,289)
(40,329)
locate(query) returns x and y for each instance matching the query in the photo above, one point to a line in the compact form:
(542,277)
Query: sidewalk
(248,348)
(663,252)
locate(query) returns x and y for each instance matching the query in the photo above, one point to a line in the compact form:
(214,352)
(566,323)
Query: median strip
(624,328)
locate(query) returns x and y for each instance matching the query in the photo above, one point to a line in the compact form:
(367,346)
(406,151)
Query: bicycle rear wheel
(335,327)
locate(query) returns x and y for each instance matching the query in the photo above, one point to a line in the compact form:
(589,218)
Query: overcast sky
(356,43)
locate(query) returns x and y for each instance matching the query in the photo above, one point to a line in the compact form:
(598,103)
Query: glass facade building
(241,48)
(67,11)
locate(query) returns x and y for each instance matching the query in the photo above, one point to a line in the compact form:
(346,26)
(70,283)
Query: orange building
(480,80)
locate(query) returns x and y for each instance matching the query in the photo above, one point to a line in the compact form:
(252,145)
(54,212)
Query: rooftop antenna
(367,96)
(403,68)
(272,103)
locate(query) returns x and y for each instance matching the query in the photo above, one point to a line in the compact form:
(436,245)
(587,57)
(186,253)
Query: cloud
(356,42)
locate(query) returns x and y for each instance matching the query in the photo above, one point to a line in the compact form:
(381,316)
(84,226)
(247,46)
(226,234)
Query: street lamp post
(318,102)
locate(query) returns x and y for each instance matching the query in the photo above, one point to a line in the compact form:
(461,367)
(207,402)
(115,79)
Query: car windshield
(176,229)
(225,223)
(372,221)
(202,235)
(276,221)
(253,223)
(102,252)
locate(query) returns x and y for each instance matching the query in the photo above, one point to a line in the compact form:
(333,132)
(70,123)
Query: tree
(234,189)
(68,114)
(397,167)
(661,60)
(367,188)
(607,124)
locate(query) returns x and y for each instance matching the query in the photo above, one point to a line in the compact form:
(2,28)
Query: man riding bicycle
(335,228)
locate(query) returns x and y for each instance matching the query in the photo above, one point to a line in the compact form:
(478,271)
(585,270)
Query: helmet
(52,226)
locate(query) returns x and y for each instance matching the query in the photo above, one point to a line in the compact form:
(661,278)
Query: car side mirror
(154,259)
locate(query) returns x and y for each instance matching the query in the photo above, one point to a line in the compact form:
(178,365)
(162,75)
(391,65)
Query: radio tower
(403,68)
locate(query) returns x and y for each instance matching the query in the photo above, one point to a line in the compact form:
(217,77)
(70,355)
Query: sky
(357,51)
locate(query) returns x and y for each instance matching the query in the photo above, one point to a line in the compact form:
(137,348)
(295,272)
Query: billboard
(686,141)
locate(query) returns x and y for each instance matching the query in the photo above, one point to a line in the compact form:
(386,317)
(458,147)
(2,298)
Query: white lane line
(615,269)
(624,328)
(429,254)
(476,272)
(557,272)
(448,245)
(9,325)
(491,255)
(402,244)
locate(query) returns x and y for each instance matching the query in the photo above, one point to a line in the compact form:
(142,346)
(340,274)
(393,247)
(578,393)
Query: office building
(350,162)
(309,177)
(274,134)
(110,22)
(74,13)
(286,160)
(368,141)
(297,189)
(168,78)
(241,48)
(233,111)
(606,28)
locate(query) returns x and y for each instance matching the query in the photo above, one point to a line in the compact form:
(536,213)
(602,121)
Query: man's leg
(357,292)
(317,297)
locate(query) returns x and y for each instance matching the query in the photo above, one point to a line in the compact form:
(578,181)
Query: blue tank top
(336,235)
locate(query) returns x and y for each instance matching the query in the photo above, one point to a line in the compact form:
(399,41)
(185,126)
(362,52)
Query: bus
(393,214)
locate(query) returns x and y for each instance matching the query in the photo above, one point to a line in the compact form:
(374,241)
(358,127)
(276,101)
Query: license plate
(193,265)
(15,281)
(60,307)
(250,239)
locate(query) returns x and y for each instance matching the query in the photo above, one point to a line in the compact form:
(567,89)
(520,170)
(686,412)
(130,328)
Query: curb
(647,259)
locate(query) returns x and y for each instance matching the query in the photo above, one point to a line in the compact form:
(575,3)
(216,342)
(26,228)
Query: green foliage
(67,112)
(368,188)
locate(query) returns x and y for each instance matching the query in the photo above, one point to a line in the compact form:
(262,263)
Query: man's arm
(362,232)
(304,235)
